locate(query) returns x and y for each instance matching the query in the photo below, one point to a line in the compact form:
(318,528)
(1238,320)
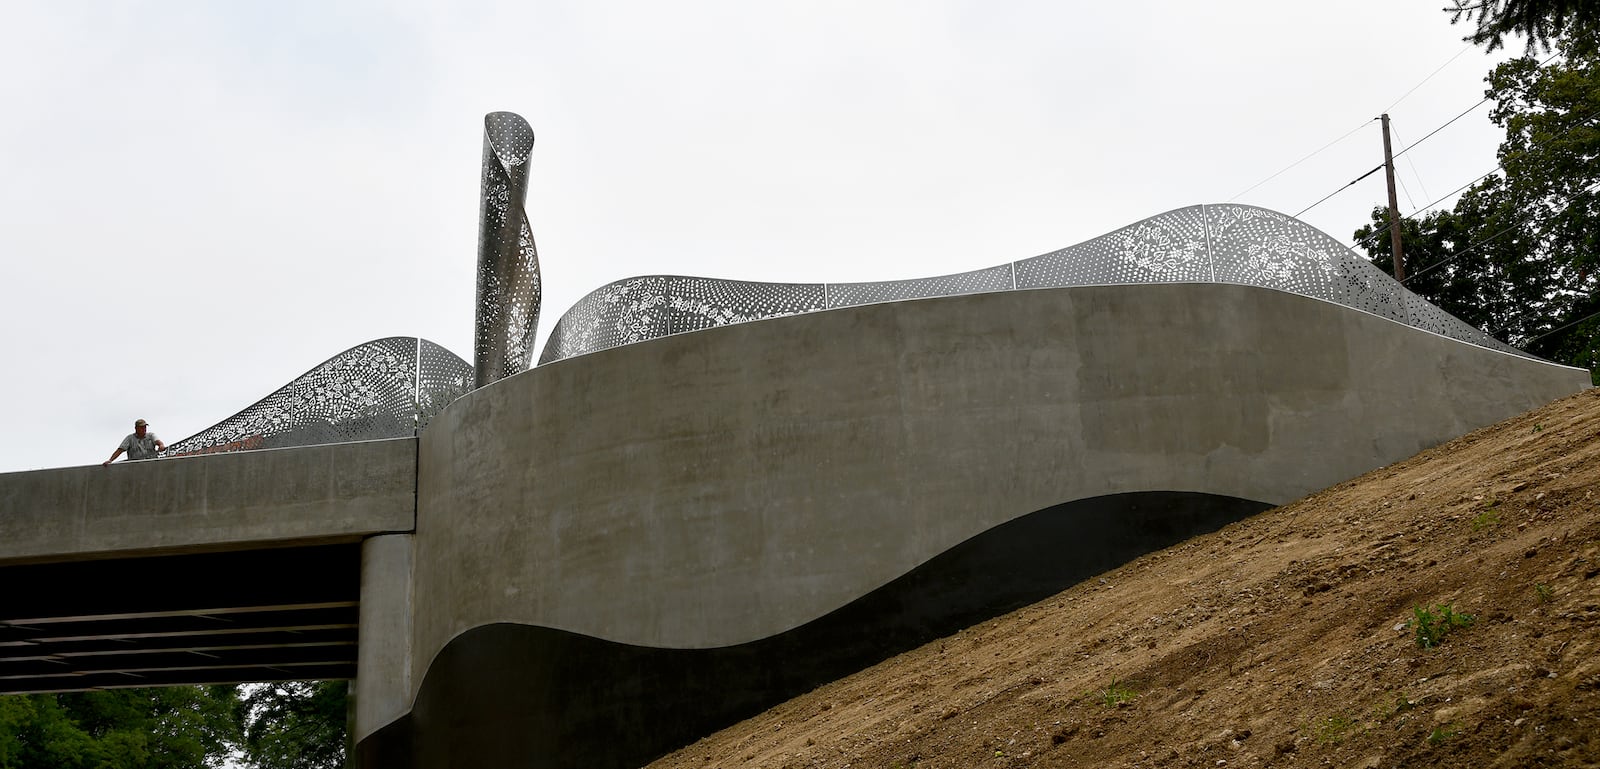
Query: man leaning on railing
(140,444)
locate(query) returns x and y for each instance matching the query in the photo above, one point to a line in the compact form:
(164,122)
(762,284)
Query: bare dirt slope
(1282,640)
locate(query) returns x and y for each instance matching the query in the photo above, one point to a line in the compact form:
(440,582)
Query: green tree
(1519,255)
(1543,22)
(183,727)
(293,725)
(296,725)
(1551,157)
(1440,268)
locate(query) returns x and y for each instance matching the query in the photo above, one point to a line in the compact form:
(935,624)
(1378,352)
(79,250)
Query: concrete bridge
(602,558)
(221,568)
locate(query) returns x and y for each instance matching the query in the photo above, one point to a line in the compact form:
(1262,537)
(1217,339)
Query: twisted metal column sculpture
(508,265)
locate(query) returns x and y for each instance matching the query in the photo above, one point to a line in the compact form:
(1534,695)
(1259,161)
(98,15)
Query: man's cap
(140,423)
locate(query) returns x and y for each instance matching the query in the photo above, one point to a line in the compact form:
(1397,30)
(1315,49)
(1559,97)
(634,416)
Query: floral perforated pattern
(1199,244)
(386,388)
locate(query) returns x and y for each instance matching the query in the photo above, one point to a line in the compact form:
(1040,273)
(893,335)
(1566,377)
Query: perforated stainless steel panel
(696,303)
(1424,315)
(618,313)
(381,389)
(1170,248)
(1258,247)
(975,282)
(508,265)
(637,309)
(442,377)
(1199,244)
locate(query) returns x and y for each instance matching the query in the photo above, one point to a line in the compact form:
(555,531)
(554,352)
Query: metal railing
(1224,243)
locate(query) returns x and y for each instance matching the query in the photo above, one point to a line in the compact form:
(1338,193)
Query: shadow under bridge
(286,613)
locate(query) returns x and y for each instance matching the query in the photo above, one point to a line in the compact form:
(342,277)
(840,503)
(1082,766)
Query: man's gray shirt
(140,448)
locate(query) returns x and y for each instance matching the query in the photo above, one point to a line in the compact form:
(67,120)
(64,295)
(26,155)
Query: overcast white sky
(199,200)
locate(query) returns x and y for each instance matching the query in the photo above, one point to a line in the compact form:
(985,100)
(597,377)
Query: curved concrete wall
(721,488)
(695,490)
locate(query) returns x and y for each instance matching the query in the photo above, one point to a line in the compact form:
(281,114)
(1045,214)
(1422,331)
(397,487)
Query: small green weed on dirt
(1114,694)
(1488,519)
(1332,729)
(1433,623)
(1387,710)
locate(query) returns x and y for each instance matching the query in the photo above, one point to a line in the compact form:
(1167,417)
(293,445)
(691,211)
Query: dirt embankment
(1289,639)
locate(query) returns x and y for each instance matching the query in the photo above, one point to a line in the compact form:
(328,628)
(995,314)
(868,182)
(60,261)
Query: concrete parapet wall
(721,488)
(717,487)
(338,492)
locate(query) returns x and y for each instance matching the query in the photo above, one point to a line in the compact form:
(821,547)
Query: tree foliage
(182,727)
(295,725)
(1519,255)
(1542,22)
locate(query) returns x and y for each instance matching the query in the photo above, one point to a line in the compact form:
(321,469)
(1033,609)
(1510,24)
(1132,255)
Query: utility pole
(1394,206)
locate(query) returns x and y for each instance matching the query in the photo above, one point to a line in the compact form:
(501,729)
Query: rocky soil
(1289,639)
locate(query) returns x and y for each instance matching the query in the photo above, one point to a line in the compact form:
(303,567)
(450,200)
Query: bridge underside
(276,614)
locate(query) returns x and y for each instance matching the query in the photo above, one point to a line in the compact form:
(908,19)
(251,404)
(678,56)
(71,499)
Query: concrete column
(383,664)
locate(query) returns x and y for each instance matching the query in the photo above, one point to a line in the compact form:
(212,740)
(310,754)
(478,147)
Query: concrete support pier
(383,662)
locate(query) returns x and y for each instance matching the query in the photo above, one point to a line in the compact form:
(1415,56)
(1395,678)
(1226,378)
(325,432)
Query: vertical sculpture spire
(508,265)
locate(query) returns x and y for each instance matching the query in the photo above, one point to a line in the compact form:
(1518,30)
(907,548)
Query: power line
(1423,185)
(1518,222)
(1429,77)
(1352,131)
(1514,225)
(1364,242)
(1464,112)
(1532,311)
(1302,160)
(1462,252)
(1402,152)
(1447,123)
(1398,154)
(1530,342)
(1341,189)
(1406,190)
